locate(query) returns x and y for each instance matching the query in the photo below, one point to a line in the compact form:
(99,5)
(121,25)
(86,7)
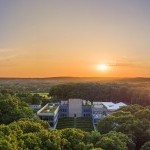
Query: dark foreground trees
(126,129)
(146,146)
(33,135)
(12,109)
(133,121)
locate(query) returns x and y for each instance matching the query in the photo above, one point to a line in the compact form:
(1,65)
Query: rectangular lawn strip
(65,123)
(82,123)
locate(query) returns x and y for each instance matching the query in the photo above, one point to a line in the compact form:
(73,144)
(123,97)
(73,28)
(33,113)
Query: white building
(77,108)
(102,109)
(49,113)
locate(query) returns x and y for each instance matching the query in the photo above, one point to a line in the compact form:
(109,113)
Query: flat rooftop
(50,108)
(108,105)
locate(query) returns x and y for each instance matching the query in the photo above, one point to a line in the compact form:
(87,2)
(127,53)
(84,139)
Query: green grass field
(42,94)
(65,123)
(82,123)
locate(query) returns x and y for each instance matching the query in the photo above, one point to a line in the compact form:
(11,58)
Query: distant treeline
(126,129)
(102,92)
(43,84)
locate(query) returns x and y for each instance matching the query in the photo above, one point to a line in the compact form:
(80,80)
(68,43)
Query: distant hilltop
(77,79)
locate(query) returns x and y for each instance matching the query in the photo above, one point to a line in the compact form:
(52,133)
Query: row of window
(86,115)
(63,110)
(63,115)
(86,110)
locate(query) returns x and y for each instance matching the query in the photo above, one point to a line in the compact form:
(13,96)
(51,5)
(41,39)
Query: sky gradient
(45,38)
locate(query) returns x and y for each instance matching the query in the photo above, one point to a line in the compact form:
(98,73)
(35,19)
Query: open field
(66,122)
(45,95)
(82,123)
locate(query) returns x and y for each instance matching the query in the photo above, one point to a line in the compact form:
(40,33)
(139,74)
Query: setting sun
(74,38)
(103,67)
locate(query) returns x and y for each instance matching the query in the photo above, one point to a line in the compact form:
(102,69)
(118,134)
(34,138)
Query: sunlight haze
(45,38)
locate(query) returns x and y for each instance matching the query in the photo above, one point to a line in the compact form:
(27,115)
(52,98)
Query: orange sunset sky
(46,38)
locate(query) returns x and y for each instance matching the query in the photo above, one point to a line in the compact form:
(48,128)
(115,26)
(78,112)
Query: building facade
(50,113)
(77,108)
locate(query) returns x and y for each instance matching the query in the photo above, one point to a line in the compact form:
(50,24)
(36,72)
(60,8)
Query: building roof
(48,109)
(113,106)
(109,105)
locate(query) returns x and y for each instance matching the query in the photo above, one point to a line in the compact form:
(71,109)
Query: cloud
(2,50)
(128,62)
(8,57)
(121,64)
(8,54)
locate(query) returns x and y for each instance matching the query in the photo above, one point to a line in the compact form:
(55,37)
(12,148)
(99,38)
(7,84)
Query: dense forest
(102,92)
(128,90)
(126,129)
(44,84)
(132,120)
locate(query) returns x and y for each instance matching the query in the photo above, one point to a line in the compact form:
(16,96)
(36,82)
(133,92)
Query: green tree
(31,141)
(7,92)
(26,97)
(36,99)
(146,146)
(12,109)
(144,113)
(5,145)
(115,141)
(73,137)
(107,124)
(92,137)
(52,140)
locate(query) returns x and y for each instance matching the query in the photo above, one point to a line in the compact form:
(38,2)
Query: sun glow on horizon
(74,39)
(102,67)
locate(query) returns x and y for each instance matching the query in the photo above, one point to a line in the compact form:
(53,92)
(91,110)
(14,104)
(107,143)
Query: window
(64,110)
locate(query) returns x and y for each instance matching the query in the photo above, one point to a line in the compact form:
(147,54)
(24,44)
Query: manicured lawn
(82,123)
(65,123)
(42,94)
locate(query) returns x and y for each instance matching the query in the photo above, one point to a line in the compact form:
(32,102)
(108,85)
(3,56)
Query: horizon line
(68,77)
